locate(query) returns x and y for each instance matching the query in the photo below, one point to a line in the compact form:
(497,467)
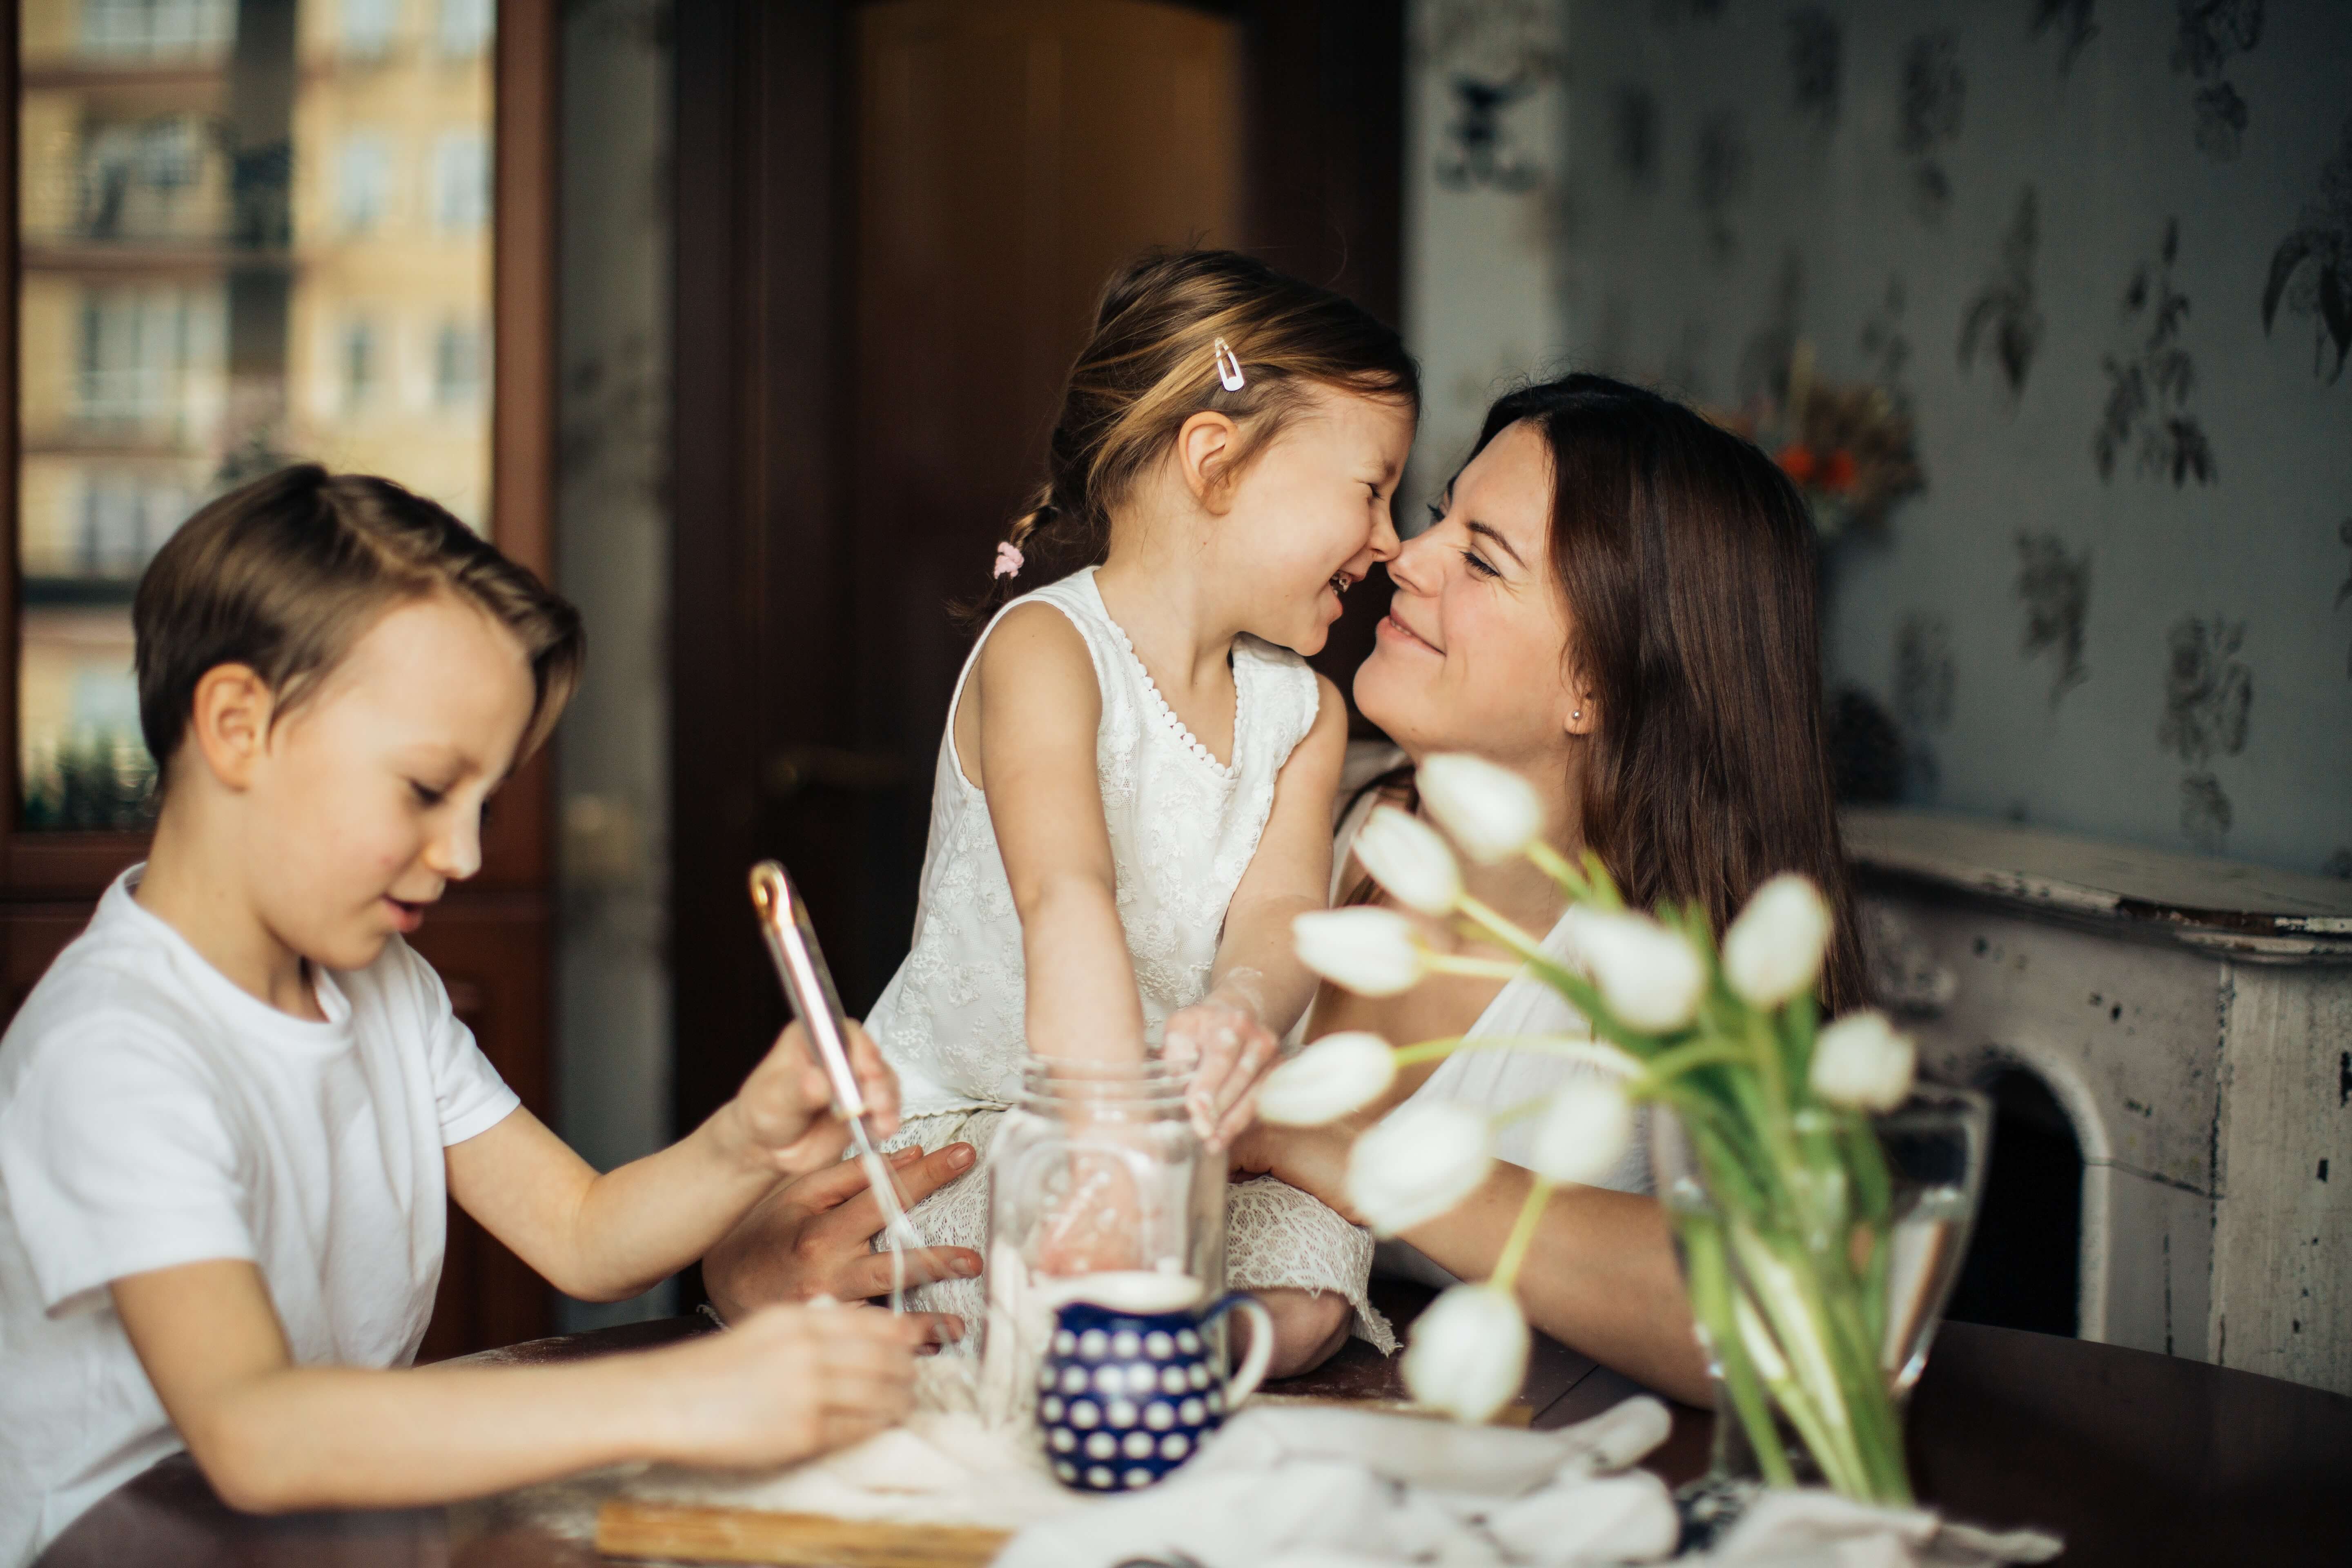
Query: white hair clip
(1229,369)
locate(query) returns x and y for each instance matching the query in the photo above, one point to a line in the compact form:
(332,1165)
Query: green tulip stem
(1523,1234)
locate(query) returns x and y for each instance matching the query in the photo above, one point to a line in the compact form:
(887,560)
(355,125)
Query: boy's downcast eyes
(427,796)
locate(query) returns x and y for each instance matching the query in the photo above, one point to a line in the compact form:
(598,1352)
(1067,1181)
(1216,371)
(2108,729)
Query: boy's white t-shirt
(152,1114)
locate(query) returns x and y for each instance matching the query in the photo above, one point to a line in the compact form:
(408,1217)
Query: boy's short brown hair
(287,573)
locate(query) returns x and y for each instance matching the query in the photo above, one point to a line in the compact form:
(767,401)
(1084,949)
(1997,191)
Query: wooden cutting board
(692,1533)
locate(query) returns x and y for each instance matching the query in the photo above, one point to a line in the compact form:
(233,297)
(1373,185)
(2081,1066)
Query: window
(145,353)
(312,186)
(461,181)
(457,366)
(465,27)
(362,181)
(360,365)
(152,28)
(368,26)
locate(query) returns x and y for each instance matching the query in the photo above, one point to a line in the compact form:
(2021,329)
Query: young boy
(230,1111)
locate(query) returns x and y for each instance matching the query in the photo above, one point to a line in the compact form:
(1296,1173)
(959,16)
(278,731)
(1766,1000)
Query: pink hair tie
(1008,561)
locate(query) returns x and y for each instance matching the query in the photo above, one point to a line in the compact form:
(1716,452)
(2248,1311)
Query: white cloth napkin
(1316,1488)
(1320,1488)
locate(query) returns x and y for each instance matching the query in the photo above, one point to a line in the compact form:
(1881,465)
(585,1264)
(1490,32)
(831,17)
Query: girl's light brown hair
(1151,364)
(286,573)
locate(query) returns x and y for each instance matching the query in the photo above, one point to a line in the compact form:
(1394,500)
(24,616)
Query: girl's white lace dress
(1182,828)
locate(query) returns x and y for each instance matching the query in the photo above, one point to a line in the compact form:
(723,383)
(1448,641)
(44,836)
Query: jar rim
(1066,1078)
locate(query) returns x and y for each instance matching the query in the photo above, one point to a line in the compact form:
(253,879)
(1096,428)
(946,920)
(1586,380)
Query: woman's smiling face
(1472,655)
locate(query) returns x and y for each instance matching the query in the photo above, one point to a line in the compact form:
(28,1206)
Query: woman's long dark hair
(1687,563)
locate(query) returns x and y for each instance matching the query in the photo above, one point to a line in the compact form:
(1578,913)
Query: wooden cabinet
(248,232)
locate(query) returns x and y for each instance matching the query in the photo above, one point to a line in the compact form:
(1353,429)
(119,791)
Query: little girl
(1134,794)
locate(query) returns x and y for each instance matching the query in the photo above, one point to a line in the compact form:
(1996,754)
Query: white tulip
(1417,1163)
(1336,1075)
(1374,953)
(1649,975)
(1405,855)
(1861,1061)
(1468,1355)
(1773,950)
(1585,1127)
(1492,811)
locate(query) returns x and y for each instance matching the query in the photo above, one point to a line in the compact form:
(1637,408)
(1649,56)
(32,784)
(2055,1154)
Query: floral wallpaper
(2100,255)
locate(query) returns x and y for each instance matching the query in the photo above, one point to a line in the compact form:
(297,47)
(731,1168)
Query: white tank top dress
(1183,828)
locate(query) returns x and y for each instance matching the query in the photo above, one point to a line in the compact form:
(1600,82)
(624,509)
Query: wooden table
(2136,1459)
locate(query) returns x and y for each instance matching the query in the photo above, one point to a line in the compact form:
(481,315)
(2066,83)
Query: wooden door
(894,220)
(281,87)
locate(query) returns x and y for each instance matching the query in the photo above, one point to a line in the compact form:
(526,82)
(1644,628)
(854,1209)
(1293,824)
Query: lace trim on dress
(1167,715)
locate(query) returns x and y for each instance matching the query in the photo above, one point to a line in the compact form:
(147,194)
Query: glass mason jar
(1100,1189)
(1802,1299)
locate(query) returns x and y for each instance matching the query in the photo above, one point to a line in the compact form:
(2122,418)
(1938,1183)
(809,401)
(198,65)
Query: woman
(1617,602)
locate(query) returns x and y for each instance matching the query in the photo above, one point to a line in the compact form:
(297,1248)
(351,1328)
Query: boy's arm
(1258,988)
(1040,710)
(272,1437)
(606,1238)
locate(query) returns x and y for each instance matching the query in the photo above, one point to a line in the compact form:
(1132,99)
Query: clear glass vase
(1098,1189)
(1818,1263)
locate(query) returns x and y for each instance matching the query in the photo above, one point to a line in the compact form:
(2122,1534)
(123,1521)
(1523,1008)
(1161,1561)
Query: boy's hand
(789,1383)
(1227,1052)
(785,1109)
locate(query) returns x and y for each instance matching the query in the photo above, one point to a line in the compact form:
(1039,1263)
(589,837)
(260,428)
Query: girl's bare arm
(273,1437)
(1039,710)
(1258,988)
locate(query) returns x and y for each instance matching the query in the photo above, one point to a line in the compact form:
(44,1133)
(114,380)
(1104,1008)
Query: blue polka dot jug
(1125,1395)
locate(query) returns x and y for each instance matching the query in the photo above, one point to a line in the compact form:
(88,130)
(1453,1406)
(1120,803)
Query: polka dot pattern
(1124,1399)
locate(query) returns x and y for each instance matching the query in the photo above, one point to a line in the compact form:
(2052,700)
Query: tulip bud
(1468,1355)
(1336,1075)
(1585,1127)
(1492,811)
(1417,1163)
(1405,855)
(1860,1061)
(1773,950)
(1373,953)
(1650,977)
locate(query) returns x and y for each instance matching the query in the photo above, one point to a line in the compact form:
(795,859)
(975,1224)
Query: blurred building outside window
(211,289)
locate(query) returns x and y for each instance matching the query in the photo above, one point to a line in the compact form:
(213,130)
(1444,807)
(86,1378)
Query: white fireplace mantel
(2194,1019)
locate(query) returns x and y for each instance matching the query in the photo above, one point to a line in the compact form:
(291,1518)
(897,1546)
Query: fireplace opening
(2024,1264)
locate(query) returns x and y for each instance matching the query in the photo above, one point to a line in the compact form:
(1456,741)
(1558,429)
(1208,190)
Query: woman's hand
(786,1383)
(1312,1158)
(1222,1045)
(815,1237)
(784,1112)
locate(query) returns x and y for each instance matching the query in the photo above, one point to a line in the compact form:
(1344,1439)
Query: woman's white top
(1183,827)
(1496,1080)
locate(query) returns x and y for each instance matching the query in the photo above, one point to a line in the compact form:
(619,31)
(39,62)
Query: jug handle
(1243,1384)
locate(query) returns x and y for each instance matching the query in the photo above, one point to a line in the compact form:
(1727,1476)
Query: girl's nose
(1416,563)
(1384,543)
